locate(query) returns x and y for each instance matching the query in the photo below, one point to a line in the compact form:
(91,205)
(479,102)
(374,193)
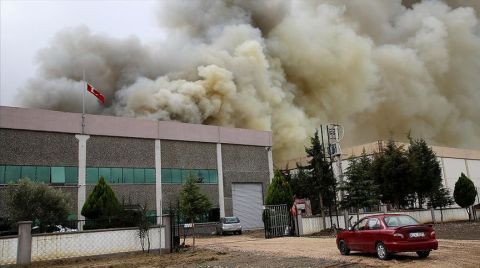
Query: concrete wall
(132,194)
(81,244)
(188,155)
(120,152)
(243,164)
(20,147)
(171,193)
(100,125)
(310,225)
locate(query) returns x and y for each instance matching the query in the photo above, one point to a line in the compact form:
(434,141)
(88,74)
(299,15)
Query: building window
(150,175)
(92,175)
(71,175)
(58,175)
(12,173)
(2,174)
(43,174)
(116,175)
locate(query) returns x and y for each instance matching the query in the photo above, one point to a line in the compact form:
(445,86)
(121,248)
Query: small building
(144,161)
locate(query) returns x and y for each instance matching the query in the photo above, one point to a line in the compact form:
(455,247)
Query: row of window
(60,175)
(69,175)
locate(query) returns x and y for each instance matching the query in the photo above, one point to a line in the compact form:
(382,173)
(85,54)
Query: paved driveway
(451,253)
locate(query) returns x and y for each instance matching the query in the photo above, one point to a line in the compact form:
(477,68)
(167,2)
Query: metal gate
(277,221)
(174,230)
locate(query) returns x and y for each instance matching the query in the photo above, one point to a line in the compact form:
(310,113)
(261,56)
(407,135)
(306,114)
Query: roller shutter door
(248,204)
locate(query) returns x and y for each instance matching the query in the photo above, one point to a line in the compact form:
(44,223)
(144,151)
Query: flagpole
(83,101)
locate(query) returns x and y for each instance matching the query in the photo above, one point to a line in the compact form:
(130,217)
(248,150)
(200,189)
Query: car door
(356,239)
(371,234)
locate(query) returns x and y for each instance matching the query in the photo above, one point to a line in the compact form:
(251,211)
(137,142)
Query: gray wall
(120,152)
(171,193)
(189,155)
(132,193)
(243,163)
(22,147)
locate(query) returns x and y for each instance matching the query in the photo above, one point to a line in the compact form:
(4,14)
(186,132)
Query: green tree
(426,172)
(465,193)
(440,198)
(361,190)
(193,202)
(391,171)
(279,191)
(320,184)
(101,203)
(32,201)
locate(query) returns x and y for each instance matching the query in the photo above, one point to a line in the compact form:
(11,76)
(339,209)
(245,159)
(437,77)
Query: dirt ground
(252,250)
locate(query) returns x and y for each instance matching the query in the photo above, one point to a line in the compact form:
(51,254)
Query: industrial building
(453,161)
(144,161)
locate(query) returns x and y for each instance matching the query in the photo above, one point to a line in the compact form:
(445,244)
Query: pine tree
(101,203)
(361,190)
(322,183)
(279,191)
(465,193)
(440,198)
(392,173)
(193,202)
(426,172)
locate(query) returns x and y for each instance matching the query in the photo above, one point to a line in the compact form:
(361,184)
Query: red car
(386,234)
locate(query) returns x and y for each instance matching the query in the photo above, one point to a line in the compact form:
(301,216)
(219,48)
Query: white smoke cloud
(375,67)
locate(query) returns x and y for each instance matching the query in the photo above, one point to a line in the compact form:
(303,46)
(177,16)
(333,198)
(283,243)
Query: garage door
(248,204)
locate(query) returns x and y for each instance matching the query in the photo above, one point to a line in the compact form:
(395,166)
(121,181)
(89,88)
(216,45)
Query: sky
(27,26)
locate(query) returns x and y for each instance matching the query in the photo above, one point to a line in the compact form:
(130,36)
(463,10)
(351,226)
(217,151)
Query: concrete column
(24,247)
(158,181)
(270,164)
(82,172)
(221,196)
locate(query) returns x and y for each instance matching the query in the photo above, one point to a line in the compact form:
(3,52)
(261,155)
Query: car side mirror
(350,228)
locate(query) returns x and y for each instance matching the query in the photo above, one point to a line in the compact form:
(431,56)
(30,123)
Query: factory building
(453,162)
(144,161)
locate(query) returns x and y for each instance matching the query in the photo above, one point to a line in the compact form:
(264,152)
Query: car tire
(382,252)
(342,246)
(423,254)
(221,233)
(240,232)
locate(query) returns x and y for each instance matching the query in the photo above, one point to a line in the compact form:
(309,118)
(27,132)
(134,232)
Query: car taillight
(432,234)
(399,236)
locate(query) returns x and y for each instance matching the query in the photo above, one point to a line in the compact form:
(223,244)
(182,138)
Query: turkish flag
(96,93)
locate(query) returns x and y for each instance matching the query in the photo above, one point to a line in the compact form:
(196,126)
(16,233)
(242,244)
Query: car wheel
(342,246)
(221,233)
(240,232)
(423,254)
(382,251)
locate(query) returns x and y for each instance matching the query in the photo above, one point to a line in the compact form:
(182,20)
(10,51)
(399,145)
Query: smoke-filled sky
(376,67)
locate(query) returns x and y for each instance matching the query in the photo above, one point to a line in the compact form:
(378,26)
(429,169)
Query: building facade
(144,161)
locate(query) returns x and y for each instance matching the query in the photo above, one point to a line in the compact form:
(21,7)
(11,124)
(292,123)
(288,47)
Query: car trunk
(416,232)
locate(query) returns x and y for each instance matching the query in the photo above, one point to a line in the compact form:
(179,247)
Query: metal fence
(277,221)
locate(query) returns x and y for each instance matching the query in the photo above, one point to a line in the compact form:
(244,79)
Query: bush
(30,201)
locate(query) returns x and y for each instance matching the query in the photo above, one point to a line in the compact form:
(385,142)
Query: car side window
(374,224)
(361,225)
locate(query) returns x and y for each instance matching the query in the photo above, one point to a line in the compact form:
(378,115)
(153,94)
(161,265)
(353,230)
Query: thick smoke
(375,67)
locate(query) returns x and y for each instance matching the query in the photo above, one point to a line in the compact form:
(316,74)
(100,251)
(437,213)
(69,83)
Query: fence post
(432,210)
(24,246)
(168,234)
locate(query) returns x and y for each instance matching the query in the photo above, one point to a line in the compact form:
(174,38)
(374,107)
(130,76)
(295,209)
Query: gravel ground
(198,258)
(458,230)
(451,253)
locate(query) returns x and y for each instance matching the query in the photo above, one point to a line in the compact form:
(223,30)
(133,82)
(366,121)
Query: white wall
(312,225)
(453,169)
(79,244)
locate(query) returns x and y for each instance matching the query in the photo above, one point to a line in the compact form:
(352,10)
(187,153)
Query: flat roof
(102,125)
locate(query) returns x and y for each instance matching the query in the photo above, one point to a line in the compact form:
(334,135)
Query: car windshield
(399,221)
(231,220)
